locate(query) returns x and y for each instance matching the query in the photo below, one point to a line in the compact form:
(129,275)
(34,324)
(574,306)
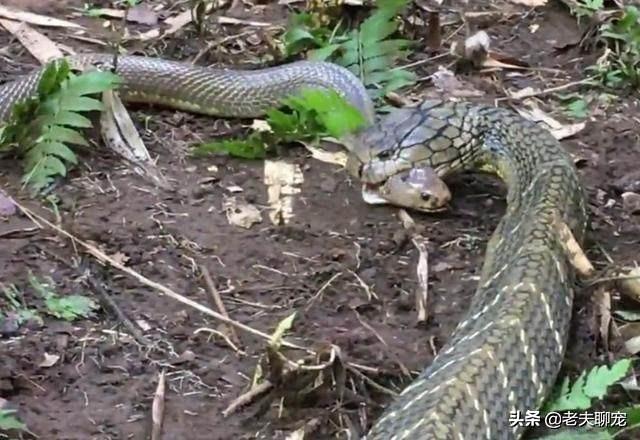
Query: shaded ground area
(347,268)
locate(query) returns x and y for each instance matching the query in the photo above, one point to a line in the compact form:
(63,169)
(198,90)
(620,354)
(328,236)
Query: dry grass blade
(247,397)
(38,45)
(217,300)
(422,272)
(157,409)
(35,19)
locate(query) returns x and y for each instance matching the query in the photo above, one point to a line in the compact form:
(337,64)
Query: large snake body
(506,353)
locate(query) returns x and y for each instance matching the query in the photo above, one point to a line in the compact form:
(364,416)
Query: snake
(505,354)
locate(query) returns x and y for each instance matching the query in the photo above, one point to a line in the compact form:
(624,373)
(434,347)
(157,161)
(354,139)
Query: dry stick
(247,397)
(153,284)
(157,409)
(549,90)
(215,295)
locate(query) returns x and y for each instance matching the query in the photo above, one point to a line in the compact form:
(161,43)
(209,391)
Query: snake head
(419,188)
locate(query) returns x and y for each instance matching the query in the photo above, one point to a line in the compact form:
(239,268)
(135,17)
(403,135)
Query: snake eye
(384,154)
(425,196)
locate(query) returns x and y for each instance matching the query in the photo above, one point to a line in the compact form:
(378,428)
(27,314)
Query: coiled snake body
(505,354)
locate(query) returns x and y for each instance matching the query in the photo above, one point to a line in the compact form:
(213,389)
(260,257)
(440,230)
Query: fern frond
(41,127)
(368,51)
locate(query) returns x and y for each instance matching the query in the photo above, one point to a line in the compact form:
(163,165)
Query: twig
(313,299)
(215,295)
(549,90)
(247,397)
(222,335)
(157,409)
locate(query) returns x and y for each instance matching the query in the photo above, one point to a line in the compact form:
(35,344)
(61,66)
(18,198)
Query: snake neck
(506,352)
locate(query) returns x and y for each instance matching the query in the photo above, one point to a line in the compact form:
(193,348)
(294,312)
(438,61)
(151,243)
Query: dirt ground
(346,267)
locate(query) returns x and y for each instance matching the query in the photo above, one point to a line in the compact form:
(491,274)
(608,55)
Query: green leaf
(577,109)
(64,134)
(70,307)
(600,378)
(250,148)
(324,53)
(80,103)
(9,422)
(282,327)
(55,148)
(588,386)
(64,117)
(91,83)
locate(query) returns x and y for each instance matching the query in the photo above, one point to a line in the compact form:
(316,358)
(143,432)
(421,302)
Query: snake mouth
(372,194)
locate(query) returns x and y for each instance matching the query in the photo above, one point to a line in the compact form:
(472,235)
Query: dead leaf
(241,214)
(120,257)
(334,158)
(35,19)
(234,189)
(631,202)
(558,130)
(142,14)
(49,360)
(7,207)
(532,3)
(446,81)
(121,136)
(41,47)
(283,182)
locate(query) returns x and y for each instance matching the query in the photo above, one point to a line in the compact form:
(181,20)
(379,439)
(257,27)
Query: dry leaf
(283,180)
(631,202)
(7,207)
(35,19)
(142,14)
(422,272)
(41,47)
(49,360)
(120,257)
(334,158)
(532,3)
(241,214)
(558,130)
(120,135)
(446,81)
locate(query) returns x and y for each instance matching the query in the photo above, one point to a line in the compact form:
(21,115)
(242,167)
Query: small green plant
(307,117)
(368,51)
(9,422)
(588,386)
(577,108)
(586,8)
(16,308)
(41,128)
(69,307)
(620,64)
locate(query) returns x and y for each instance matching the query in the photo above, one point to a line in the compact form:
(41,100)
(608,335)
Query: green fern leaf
(65,135)
(54,148)
(80,103)
(90,83)
(64,117)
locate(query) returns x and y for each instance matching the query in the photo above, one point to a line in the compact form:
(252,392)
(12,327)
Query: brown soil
(103,385)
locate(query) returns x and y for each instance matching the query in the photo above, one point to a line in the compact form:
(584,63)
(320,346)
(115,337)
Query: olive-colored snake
(506,353)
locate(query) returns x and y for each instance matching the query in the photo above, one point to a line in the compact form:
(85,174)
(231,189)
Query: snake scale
(506,353)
